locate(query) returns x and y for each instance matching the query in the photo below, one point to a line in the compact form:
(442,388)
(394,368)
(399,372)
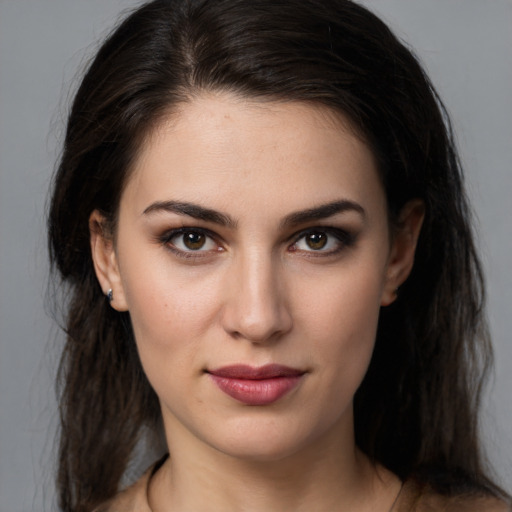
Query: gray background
(465,44)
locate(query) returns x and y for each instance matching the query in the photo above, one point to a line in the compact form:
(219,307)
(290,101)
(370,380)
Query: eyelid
(345,238)
(167,236)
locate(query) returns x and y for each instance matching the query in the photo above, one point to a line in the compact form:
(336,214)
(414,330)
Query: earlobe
(403,248)
(105,261)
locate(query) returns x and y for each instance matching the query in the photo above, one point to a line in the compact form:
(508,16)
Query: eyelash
(166,240)
(343,239)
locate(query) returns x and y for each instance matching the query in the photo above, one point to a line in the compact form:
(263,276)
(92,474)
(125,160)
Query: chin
(267,441)
(260,450)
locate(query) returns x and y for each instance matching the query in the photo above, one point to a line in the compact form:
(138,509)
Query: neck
(329,475)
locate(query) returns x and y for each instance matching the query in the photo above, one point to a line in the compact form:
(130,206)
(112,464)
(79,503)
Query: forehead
(221,147)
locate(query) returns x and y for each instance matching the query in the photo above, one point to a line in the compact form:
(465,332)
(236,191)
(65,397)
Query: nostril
(255,308)
(258,325)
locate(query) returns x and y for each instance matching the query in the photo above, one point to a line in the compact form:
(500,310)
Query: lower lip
(256,392)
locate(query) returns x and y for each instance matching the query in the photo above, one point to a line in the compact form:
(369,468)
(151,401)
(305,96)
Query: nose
(256,307)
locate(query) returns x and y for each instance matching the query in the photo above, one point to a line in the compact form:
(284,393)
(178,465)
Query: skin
(258,291)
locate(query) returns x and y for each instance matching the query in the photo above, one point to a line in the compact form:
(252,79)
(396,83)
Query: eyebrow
(192,210)
(323,212)
(301,217)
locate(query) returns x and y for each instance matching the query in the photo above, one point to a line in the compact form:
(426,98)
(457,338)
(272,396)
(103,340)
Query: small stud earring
(110,295)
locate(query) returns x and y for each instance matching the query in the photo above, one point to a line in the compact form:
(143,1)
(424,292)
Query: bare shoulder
(437,503)
(417,497)
(132,499)
(135,497)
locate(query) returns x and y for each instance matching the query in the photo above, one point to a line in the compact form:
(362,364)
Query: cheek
(169,310)
(341,322)
(347,302)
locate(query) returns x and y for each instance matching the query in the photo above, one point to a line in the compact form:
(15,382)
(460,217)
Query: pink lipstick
(256,385)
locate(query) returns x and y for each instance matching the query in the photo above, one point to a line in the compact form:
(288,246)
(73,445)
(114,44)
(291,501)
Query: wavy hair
(416,410)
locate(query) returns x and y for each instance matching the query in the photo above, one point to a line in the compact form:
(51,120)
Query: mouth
(256,385)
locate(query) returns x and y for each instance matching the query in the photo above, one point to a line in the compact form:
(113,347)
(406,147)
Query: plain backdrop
(466,45)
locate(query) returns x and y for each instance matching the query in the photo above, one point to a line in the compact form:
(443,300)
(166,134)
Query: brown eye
(324,241)
(190,240)
(316,240)
(194,240)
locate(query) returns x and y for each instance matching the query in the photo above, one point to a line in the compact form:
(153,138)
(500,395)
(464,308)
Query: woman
(260,215)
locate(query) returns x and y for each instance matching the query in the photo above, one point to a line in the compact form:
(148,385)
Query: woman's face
(253,254)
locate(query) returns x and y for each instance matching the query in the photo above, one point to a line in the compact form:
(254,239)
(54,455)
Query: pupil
(317,240)
(194,241)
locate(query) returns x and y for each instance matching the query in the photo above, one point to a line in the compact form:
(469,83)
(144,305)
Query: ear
(105,261)
(403,247)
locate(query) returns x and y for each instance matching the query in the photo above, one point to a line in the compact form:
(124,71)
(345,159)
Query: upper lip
(243,371)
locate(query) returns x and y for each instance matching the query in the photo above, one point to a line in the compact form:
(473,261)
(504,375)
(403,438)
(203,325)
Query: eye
(327,241)
(190,240)
(316,240)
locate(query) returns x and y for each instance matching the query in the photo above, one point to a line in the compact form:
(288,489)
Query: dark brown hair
(416,411)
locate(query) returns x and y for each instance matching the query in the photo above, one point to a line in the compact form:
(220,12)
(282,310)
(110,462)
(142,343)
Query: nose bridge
(257,308)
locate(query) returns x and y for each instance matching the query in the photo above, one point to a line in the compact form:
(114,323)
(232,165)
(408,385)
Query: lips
(256,385)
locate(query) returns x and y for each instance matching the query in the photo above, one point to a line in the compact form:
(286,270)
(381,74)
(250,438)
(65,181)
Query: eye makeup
(322,241)
(192,242)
